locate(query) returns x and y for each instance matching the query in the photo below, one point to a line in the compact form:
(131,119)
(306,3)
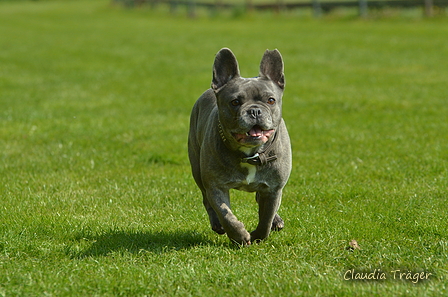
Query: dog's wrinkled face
(250,110)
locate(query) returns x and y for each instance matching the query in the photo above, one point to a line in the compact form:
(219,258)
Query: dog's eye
(235,102)
(271,101)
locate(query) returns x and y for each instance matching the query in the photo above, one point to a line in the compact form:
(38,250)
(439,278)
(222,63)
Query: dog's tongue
(256,131)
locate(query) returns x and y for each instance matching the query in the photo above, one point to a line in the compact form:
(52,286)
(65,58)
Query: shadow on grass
(134,242)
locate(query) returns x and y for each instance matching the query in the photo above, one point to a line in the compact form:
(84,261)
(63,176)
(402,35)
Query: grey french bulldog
(238,140)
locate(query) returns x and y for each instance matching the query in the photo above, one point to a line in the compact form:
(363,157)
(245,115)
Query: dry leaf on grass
(353,245)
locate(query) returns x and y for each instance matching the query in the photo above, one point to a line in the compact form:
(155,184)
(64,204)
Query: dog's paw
(278,223)
(240,238)
(218,229)
(241,243)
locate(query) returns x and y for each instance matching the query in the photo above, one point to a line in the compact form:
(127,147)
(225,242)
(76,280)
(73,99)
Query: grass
(96,193)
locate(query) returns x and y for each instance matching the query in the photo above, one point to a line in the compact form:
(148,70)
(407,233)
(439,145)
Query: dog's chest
(251,173)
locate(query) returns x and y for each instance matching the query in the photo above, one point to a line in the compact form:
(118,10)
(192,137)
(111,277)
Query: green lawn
(96,195)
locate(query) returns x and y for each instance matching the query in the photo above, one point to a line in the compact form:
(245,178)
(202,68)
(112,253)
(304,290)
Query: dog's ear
(225,69)
(271,66)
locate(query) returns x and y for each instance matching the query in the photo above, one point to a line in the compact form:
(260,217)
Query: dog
(238,140)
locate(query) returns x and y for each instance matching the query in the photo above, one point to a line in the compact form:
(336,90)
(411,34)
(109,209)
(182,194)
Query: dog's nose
(254,112)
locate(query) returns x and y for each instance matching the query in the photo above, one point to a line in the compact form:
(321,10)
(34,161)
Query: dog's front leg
(219,199)
(268,204)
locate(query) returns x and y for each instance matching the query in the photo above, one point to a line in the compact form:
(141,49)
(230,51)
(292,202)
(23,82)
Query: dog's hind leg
(277,223)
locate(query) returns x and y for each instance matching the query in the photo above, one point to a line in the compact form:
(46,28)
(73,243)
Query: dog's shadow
(134,242)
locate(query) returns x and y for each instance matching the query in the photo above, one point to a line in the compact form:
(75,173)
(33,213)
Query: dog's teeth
(247,134)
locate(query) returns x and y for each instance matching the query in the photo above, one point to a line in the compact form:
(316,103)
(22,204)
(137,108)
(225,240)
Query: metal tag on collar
(254,160)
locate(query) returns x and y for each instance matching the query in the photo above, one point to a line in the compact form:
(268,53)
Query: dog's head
(250,109)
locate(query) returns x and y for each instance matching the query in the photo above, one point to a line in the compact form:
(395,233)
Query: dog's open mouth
(256,133)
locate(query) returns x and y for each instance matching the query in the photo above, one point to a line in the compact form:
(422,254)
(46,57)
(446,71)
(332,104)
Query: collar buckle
(253,160)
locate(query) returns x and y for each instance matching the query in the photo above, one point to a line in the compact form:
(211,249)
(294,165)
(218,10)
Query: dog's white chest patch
(252,170)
